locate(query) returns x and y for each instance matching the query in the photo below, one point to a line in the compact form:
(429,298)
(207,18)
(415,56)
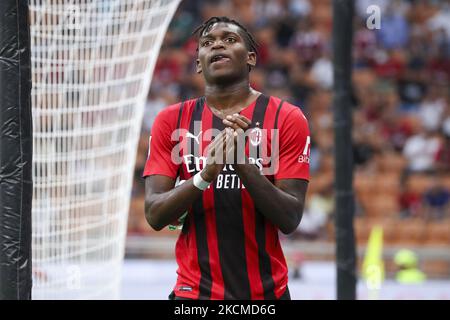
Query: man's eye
(230,40)
(206,43)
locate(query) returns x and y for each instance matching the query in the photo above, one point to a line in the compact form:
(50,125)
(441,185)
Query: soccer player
(228,247)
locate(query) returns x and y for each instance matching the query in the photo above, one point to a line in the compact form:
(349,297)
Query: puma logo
(190,135)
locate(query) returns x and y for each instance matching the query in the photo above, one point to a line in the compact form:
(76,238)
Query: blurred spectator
(269,10)
(401,76)
(365,44)
(421,150)
(322,72)
(394,32)
(438,65)
(318,210)
(443,154)
(437,200)
(362,153)
(431,109)
(388,63)
(412,88)
(155,103)
(396,130)
(410,203)
(307,42)
(441,19)
(364,146)
(300,8)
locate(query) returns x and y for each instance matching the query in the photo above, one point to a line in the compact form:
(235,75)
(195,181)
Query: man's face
(222,54)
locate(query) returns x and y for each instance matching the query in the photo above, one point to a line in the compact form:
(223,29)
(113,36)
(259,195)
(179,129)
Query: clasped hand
(228,147)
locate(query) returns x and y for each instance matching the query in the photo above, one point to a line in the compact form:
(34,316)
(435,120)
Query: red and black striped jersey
(227,249)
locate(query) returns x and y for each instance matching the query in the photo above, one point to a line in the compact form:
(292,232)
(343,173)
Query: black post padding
(16,188)
(345,206)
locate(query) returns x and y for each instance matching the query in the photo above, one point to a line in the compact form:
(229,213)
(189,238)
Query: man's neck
(229,96)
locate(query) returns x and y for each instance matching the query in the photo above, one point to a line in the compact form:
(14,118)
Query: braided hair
(250,42)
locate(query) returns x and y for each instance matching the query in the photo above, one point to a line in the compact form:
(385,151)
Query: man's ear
(198,66)
(251,59)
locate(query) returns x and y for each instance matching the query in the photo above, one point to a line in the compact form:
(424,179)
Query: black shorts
(286,296)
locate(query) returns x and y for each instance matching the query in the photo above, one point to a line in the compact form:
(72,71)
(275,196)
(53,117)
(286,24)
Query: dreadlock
(250,42)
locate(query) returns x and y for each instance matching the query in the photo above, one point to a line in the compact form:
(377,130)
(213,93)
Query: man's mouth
(219,58)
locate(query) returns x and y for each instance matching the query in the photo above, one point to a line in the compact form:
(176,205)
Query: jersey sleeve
(294,147)
(159,159)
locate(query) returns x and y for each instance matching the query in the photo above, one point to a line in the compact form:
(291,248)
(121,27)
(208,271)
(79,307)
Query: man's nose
(218,44)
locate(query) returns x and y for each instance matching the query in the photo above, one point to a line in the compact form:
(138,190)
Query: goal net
(92,66)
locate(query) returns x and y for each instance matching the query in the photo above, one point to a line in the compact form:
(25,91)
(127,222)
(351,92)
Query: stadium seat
(388,182)
(446,181)
(419,182)
(409,232)
(435,269)
(438,233)
(392,162)
(383,205)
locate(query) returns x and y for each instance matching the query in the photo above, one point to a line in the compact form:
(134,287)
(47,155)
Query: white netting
(92,66)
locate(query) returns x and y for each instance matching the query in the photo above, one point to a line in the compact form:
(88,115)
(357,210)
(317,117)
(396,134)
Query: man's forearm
(281,208)
(164,207)
(161,209)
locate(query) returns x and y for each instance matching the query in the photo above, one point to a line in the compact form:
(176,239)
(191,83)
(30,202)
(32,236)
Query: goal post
(15,151)
(92,63)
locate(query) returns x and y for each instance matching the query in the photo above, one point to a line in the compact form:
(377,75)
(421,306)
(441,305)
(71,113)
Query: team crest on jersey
(255,136)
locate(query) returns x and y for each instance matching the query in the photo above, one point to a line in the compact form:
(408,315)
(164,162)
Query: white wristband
(199,182)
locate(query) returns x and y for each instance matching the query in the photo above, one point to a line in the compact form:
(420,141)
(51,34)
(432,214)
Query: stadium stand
(401,116)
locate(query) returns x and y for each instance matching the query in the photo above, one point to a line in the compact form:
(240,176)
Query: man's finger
(243,118)
(241,123)
(229,148)
(236,121)
(217,139)
(221,138)
(210,150)
(219,150)
(230,124)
